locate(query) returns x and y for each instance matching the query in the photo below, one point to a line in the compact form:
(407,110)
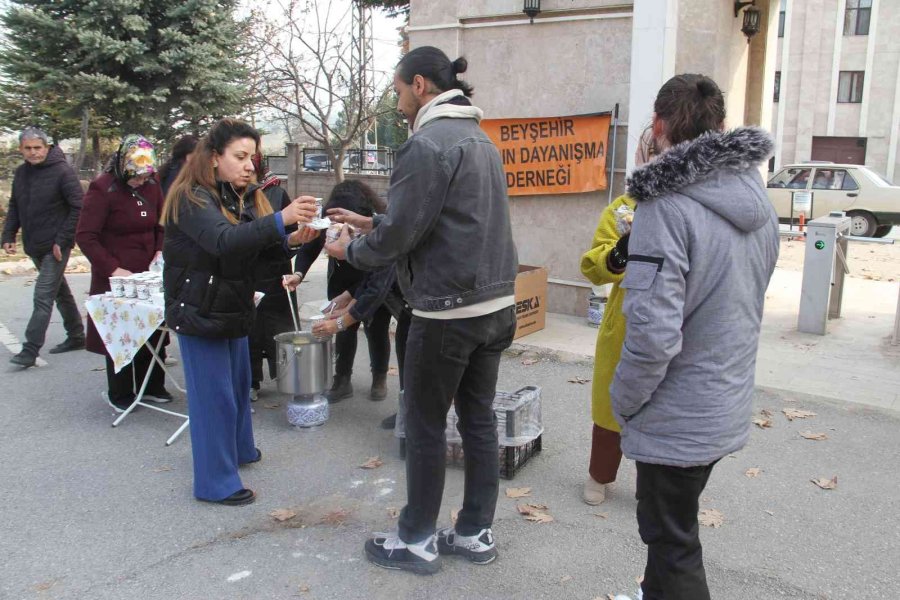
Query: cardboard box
(531,299)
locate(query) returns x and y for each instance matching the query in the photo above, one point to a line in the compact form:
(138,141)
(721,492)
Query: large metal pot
(304,363)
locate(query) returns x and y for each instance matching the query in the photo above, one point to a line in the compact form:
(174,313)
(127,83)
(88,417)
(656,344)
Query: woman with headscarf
(119,232)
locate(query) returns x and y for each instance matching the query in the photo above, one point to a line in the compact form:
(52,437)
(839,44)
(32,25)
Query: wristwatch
(340,323)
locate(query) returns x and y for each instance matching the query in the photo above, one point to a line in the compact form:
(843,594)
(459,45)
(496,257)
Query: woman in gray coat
(703,246)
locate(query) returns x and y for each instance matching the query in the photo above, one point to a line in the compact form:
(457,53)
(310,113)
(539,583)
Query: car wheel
(882,231)
(862,224)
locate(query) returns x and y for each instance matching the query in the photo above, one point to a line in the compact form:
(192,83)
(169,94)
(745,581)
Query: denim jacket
(447,227)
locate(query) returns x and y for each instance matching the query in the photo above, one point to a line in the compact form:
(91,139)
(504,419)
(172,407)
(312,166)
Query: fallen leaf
(826,484)
(539,517)
(604,515)
(565,578)
(530,361)
(271,406)
(43,587)
(817,437)
(710,517)
(753,472)
(518,492)
(795,413)
(393,371)
(454,516)
(393,512)
(304,589)
(162,469)
(769,512)
(534,512)
(579,380)
(373,463)
(762,423)
(766,413)
(282,514)
(335,517)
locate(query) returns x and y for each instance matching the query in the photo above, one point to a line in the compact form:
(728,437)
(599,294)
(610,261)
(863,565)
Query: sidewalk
(854,362)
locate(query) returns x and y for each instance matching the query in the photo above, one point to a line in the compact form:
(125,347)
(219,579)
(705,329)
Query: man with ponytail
(448,231)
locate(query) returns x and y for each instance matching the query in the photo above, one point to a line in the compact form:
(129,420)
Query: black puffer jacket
(209,264)
(45,204)
(275,261)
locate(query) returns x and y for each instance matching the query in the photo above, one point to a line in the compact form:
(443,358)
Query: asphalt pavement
(92,512)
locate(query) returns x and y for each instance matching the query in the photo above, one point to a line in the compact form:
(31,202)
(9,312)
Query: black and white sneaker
(119,406)
(162,396)
(389,551)
(478,548)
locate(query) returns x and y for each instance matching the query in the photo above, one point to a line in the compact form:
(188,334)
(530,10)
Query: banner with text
(554,155)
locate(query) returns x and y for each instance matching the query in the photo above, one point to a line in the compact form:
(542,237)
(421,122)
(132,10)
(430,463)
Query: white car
(872,202)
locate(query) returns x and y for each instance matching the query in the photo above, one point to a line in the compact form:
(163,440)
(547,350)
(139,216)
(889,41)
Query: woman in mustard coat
(599,265)
(605,263)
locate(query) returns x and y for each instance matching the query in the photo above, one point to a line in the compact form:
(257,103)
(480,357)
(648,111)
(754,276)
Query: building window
(781,16)
(857,17)
(850,86)
(777,86)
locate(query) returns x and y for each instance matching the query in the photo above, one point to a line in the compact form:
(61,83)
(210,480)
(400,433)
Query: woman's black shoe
(255,460)
(389,422)
(239,498)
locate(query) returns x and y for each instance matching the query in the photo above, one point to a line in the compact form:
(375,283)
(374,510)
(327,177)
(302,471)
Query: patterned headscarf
(135,157)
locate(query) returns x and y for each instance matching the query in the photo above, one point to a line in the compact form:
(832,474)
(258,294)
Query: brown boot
(379,387)
(340,390)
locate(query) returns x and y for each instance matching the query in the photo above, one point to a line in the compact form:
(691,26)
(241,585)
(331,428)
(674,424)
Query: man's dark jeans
(51,286)
(668,502)
(452,360)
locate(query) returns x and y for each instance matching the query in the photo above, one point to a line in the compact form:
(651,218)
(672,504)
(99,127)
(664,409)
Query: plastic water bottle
(157,265)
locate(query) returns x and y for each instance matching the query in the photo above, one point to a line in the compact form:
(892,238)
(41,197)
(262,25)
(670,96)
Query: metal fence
(372,161)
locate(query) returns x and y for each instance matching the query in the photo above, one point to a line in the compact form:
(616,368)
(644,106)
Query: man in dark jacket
(448,231)
(45,204)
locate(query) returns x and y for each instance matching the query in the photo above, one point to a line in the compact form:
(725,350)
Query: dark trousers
(606,454)
(668,502)
(454,359)
(49,287)
(217,373)
(124,384)
(273,316)
(378,337)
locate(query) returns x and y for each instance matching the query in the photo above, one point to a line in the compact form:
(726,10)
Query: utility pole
(362,63)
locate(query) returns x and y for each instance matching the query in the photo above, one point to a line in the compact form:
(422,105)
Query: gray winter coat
(702,250)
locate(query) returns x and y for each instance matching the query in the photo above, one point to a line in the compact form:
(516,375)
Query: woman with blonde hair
(210,249)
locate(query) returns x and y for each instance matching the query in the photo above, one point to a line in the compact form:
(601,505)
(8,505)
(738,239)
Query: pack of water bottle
(518,413)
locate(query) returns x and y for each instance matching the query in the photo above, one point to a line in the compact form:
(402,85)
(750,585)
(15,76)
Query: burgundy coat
(118,227)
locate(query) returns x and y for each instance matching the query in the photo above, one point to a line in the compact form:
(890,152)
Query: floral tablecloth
(124,324)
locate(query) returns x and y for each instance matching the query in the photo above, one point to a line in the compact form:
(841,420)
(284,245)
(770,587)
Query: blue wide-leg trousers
(217,373)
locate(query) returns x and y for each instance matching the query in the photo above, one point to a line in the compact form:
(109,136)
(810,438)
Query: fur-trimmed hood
(716,169)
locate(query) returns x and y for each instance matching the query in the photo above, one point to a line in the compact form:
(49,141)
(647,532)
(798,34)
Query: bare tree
(311,72)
